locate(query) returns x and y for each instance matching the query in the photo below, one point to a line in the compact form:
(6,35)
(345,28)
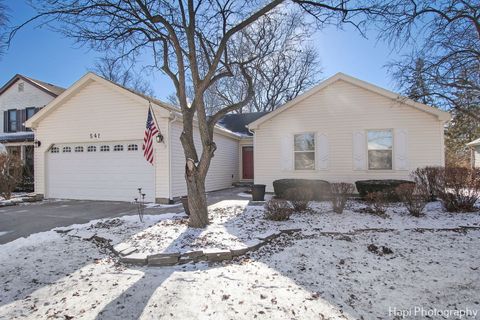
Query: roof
(46,87)
(237,122)
(88,78)
(20,136)
(474,143)
(441,115)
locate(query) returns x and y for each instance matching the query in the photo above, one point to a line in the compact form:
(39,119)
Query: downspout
(172,118)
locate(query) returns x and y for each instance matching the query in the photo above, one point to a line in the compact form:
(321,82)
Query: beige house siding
(223,168)
(98,109)
(337,112)
(31,96)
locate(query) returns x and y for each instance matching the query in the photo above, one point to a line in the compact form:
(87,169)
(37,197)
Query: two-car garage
(98,171)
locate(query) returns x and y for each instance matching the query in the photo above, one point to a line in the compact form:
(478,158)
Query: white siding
(31,96)
(339,111)
(97,108)
(223,168)
(476,157)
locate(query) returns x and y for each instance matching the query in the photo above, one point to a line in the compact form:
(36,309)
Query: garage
(99,171)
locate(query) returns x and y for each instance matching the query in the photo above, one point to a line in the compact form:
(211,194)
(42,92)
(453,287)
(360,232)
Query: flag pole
(154,116)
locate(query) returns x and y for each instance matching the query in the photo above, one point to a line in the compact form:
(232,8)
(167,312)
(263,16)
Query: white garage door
(99,171)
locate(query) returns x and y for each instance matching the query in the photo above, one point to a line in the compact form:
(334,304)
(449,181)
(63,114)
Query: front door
(247,163)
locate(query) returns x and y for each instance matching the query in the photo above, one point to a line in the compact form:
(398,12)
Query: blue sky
(48,56)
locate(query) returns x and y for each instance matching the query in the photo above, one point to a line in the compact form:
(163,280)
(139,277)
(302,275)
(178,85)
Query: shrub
(299,198)
(340,193)
(320,188)
(11,173)
(277,210)
(459,188)
(387,187)
(414,197)
(429,180)
(377,203)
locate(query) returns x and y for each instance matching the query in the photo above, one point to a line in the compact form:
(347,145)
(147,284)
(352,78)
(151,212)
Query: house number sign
(94,135)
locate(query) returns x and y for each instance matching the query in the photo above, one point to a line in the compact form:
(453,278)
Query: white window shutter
(287,152)
(322,151)
(359,151)
(400,149)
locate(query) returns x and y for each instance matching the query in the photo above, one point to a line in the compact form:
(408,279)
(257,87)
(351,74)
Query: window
(79,149)
(92,149)
(21,86)
(304,149)
(29,112)
(12,121)
(55,150)
(67,149)
(118,147)
(380,145)
(104,148)
(132,147)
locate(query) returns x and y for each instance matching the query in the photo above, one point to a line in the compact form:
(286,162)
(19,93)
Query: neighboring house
(90,146)
(475,153)
(344,130)
(20,98)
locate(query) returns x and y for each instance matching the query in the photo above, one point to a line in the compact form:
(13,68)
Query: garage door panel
(100,175)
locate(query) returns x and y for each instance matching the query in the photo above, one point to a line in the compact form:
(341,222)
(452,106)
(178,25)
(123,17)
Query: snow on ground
(308,275)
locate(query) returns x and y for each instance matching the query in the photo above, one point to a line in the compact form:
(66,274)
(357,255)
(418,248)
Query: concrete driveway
(23,220)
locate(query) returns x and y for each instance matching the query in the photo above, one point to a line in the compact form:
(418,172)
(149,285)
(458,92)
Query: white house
(20,98)
(344,130)
(90,146)
(475,153)
(90,139)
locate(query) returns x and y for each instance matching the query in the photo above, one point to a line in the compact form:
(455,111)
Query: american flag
(150,132)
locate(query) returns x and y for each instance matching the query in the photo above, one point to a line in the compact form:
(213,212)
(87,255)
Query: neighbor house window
(55,150)
(29,112)
(91,149)
(304,149)
(67,149)
(380,146)
(118,147)
(12,120)
(132,147)
(79,149)
(21,86)
(104,148)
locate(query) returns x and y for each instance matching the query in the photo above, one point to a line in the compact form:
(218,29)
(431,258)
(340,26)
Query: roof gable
(81,84)
(441,115)
(46,87)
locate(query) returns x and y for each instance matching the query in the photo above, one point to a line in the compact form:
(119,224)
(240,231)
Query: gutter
(172,118)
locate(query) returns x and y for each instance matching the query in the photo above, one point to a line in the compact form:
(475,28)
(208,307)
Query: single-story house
(20,98)
(89,141)
(344,130)
(89,146)
(475,153)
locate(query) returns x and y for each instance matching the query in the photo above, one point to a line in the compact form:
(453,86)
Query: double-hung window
(380,149)
(304,151)
(12,121)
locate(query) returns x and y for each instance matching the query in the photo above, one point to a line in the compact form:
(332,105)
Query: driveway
(25,219)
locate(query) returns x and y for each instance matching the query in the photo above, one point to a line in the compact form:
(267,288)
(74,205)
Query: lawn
(339,266)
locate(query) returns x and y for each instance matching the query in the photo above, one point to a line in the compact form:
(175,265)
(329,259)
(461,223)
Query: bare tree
(293,66)
(3,24)
(446,37)
(195,43)
(115,70)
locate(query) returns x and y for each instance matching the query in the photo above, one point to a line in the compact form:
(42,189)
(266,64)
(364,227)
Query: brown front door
(247,162)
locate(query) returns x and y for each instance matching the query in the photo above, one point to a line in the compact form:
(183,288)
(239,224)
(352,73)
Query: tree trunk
(197,200)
